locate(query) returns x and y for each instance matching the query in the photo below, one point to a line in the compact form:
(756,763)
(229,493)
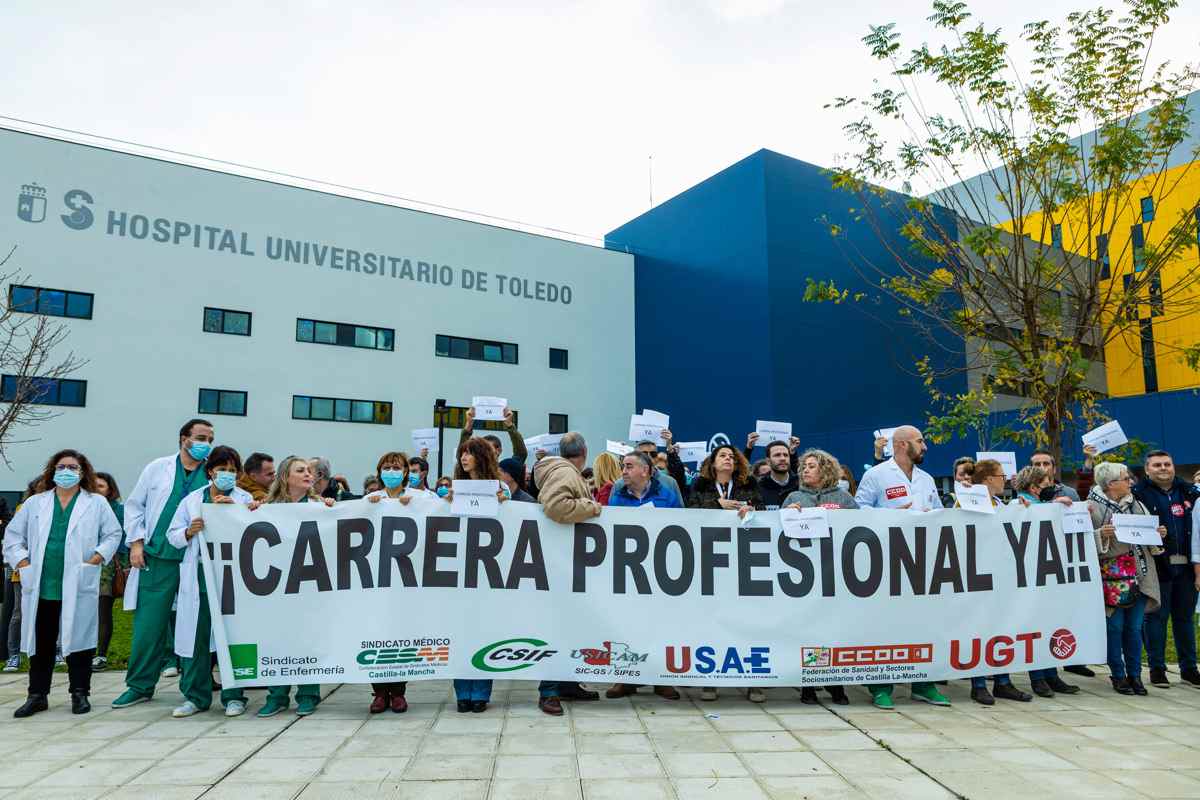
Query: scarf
(1126,505)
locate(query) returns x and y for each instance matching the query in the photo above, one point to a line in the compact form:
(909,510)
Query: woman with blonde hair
(606,471)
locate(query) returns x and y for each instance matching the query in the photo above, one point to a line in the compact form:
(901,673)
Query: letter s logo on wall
(81,216)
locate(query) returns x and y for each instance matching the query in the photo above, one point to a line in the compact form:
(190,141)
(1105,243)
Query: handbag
(1120,581)
(120,577)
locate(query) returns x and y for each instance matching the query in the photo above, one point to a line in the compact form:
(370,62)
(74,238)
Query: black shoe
(983,696)
(33,705)
(1122,686)
(478,706)
(1042,688)
(573,691)
(464,706)
(838,695)
(1158,677)
(808,695)
(1191,676)
(1061,686)
(1006,691)
(79,702)
(1080,669)
(1139,688)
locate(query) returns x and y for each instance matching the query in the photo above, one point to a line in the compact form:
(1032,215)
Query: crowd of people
(73,546)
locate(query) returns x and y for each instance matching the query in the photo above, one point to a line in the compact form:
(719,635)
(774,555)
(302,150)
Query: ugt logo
(31,207)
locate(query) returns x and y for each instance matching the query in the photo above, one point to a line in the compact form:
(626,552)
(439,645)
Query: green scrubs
(311,691)
(56,546)
(157,586)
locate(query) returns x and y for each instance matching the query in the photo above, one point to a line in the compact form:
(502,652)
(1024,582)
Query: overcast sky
(541,112)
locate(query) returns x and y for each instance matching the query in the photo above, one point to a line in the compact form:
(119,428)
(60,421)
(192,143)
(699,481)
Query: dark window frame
(10,380)
(1149,358)
(1056,239)
(563,420)
(67,293)
(1147,214)
(224,311)
(566,358)
(335,400)
(200,409)
(455,417)
(1137,243)
(337,334)
(1102,256)
(474,349)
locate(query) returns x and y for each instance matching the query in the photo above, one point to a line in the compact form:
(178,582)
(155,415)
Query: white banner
(383,592)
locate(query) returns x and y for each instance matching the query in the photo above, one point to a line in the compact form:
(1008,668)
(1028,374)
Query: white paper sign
(693,452)
(425,438)
(772,431)
(650,415)
(974,498)
(1077,519)
(489,407)
(475,498)
(886,433)
(618,449)
(1137,528)
(641,429)
(1106,437)
(549,442)
(805,523)
(1008,461)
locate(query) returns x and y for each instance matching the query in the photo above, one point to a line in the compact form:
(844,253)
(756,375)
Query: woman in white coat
(58,540)
(193,621)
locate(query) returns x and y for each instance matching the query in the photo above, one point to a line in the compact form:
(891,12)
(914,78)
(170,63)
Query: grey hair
(572,445)
(321,466)
(1108,471)
(1029,477)
(645,458)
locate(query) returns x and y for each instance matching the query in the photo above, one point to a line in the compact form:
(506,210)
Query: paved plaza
(1096,744)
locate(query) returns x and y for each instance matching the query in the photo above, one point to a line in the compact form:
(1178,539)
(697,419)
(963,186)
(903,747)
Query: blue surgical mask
(844,485)
(507,493)
(199,450)
(65,478)
(224,480)
(414,480)
(442,491)
(392,477)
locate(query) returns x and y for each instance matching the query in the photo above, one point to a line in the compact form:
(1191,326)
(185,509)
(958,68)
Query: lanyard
(725,490)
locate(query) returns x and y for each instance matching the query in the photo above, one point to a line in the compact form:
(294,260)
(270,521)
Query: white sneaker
(170,672)
(99,664)
(59,660)
(186,710)
(235,708)
(708,693)
(756,696)
(12,665)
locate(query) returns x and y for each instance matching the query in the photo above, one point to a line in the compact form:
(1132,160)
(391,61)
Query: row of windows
(475,349)
(345,334)
(46,391)
(52,302)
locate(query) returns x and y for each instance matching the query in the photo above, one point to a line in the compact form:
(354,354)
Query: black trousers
(41,664)
(106,624)
(10,600)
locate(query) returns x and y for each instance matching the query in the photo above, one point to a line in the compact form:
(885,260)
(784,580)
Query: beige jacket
(562,491)
(1148,583)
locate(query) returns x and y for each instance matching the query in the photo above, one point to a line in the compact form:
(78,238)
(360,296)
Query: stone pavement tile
(747,722)
(993,785)
(1081,784)
(902,787)
(107,731)
(936,762)
(703,765)
(162,792)
(797,764)
(690,742)
(878,719)
(852,763)
(306,727)
(722,788)
(459,744)
(764,741)
(96,771)
(1053,735)
(654,723)
(1159,783)
(613,743)
(185,772)
(276,770)
(628,789)
(1181,734)
(606,724)
(1138,718)
(56,748)
(977,735)
(619,765)
(302,746)
(1072,719)
(432,767)
(813,722)
(1029,757)
(22,772)
(503,789)
(535,767)
(469,723)
(443,790)
(544,723)
(253,791)
(396,723)
(147,748)
(645,703)
(837,740)
(1116,733)
(58,793)
(904,741)
(816,788)
(363,770)
(252,727)
(1098,756)
(352,790)
(186,728)
(377,746)
(34,729)
(537,744)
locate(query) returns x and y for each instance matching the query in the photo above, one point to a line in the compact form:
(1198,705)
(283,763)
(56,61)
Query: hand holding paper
(772,431)
(805,523)
(1137,529)
(1008,461)
(489,408)
(475,498)
(1107,437)
(974,498)
(425,439)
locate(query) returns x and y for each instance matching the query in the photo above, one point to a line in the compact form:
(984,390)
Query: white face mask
(844,485)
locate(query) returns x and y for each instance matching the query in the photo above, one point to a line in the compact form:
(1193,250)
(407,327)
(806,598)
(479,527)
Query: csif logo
(511,655)
(31,206)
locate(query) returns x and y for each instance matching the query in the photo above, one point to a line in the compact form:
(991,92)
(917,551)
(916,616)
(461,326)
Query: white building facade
(298,322)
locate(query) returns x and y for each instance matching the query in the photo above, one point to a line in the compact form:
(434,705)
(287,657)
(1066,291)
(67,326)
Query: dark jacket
(658,493)
(522,496)
(772,493)
(705,494)
(1174,510)
(833,497)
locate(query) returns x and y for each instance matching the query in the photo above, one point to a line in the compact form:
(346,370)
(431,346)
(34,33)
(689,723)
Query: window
(51,302)
(558,423)
(336,409)
(558,358)
(13,498)
(46,391)
(1138,238)
(456,417)
(1156,298)
(1056,235)
(221,320)
(1149,362)
(474,349)
(222,401)
(344,334)
(1132,312)
(1102,256)
(1147,209)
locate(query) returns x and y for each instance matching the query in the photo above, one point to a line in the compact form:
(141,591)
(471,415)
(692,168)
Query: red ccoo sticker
(1062,644)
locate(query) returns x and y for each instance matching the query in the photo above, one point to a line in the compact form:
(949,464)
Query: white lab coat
(93,529)
(886,486)
(142,510)
(187,602)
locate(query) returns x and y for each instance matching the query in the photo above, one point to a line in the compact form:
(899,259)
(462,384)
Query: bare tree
(30,359)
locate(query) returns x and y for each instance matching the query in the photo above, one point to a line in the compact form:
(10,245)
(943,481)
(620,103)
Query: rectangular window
(222,401)
(222,320)
(1138,240)
(345,334)
(337,409)
(558,358)
(1156,298)
(1149,362)
(51,302)
(45,391)
(474,349)
(1056,235)
(1102,256)
(456,417)
(13,498)
(558,423)
(1132,312)
(1147,209)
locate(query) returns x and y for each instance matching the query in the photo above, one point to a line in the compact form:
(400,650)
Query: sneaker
(1006,691)
(186,710)
(756,695)
(170,672)
(271,707)
(58,658)
(929,694)
(883,700)
(708,693)
(305,707)
(1158,677)
(12,665)
(130,698)
(235,708)
(99,664)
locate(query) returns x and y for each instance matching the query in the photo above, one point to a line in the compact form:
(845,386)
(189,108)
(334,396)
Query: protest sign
(1107,437)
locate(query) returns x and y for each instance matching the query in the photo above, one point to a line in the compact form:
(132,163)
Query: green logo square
(245,661)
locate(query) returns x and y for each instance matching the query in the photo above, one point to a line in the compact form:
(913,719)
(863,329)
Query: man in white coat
(900,483)
(154,580)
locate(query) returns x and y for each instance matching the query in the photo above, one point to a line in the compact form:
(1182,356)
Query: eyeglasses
(71,467)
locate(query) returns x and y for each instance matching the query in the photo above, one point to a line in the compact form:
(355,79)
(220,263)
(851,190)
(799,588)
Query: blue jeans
(1043,674)
(548,689)
(472,690)
(1178,594)
(997,680)
(1125,640)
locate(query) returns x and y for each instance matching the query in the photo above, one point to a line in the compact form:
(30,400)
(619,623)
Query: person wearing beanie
(512,475)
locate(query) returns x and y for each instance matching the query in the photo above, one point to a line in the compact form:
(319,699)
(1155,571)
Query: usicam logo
(608,655)
(873,655)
